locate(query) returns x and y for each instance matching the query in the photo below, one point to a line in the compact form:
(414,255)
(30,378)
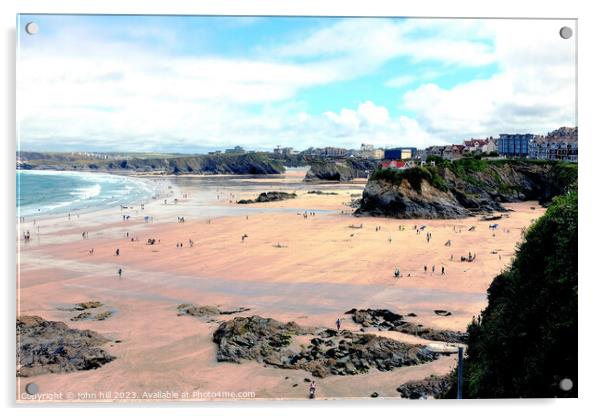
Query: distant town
(560,144)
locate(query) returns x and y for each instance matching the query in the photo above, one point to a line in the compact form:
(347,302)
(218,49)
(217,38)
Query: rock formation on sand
(462,188)
(329,352)
(91,304)
(52,347)
(432,386)
(269,197)
(205,311)
(384,319)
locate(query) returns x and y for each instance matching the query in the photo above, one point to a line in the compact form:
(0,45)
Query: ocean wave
(81,191)
(87,192)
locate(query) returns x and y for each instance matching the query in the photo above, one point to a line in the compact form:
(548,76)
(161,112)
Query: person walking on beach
(397,272)
(442,270)
(117,252)
(312,389)
(119,272)
(433,269)
(338,324)
(425,268)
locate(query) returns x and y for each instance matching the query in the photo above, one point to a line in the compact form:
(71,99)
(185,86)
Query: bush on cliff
(525,341)
(414,176)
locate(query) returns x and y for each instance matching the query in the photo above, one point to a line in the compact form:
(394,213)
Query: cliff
(340,170)
(463,188)
(248,163)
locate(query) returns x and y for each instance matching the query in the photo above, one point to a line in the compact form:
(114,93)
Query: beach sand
(291,267)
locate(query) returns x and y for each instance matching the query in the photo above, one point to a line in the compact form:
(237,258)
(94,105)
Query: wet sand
(310,269)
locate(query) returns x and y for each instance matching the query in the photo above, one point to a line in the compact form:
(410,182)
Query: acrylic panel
(255,208)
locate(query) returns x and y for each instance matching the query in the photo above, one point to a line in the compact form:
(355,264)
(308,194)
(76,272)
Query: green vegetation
(414,176)
(490,175)
(525,341)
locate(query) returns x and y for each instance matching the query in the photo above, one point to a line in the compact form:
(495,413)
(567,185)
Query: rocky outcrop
(87,316)
(340,170)
(462,188)
(254,338)
(433,386)
(92,304)
(206,312)
(271,196)
(320,192)
(52,347)
(329,352)
(91,310)
(384,319)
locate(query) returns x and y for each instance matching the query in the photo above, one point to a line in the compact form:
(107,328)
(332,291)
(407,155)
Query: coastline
(291,268)
(144,198)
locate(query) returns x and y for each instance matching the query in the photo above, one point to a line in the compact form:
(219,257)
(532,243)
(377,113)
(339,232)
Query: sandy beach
(293,265)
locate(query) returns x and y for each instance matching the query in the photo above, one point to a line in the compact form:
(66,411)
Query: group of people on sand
(181,245)
(309,214)
(471,257)
(433,269)
(26,236)
(181,220)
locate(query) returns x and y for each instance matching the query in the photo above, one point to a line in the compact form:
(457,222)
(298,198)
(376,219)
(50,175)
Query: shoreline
(151,196)
(291,268)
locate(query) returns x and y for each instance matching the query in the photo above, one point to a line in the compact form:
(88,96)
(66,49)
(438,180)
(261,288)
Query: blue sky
(193,84)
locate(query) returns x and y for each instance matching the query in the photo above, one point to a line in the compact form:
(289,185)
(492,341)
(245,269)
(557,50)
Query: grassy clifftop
(463,188)
(487,174)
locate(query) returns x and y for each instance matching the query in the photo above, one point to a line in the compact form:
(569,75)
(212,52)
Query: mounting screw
(566,32)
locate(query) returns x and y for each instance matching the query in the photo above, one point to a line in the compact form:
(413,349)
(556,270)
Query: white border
(589,73)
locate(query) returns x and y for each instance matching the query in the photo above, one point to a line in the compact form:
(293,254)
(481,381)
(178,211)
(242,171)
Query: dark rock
(269,197)
(319,192)
(442,312)
(387,320)
(253,338)
(206,311)
(82,316)
(87,305)
(375,394)
(432,386)
(52,347)
(103,315)
(265,340)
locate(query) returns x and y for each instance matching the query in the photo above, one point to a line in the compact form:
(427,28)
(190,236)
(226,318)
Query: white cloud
(533,92)
(118,95)
(400,81)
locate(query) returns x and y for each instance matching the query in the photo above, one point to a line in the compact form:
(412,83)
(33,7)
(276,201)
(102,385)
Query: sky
(194,84)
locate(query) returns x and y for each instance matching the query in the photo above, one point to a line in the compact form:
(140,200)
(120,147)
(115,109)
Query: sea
(46,192)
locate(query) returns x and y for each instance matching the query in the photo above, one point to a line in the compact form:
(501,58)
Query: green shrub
(525,341)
